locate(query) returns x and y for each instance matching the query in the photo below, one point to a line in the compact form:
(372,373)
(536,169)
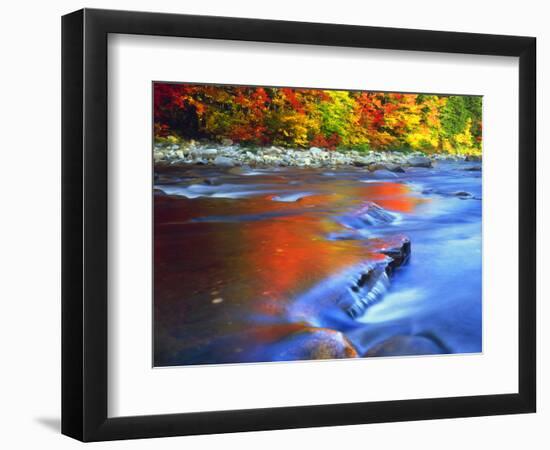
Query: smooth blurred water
(245,259)
(439,291)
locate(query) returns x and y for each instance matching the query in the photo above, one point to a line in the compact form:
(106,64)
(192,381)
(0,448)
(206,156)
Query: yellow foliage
(465,140)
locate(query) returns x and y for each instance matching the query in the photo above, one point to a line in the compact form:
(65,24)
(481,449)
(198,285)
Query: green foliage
(336,113)
(363,148)
(461,124)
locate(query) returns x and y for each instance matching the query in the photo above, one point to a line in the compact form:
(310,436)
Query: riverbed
(288,263)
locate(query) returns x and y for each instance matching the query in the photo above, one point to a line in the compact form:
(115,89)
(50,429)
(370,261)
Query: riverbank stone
(193,152)
(224,161)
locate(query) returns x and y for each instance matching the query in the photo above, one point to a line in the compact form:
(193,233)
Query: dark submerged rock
(408,345)
(163,178)
(345,235)
(396,168)
(473,158)
(463,194)
(382,174)
(391,167)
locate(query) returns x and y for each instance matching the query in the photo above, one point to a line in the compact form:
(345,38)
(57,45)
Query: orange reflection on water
(270,257)
(289,254)
(392,196)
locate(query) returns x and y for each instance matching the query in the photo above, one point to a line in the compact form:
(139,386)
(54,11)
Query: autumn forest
(304,224)
(330,119)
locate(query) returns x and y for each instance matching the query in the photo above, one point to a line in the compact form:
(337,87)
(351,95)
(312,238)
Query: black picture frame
(84,224)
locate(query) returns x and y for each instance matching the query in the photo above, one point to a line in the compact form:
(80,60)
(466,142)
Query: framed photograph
(273,224)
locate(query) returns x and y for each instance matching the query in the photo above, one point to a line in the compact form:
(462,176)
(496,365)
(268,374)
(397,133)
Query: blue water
(245,259)
(439,292)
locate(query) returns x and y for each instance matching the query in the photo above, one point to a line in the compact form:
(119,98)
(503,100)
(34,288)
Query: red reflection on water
(392,196)
(271,258)
(288,254)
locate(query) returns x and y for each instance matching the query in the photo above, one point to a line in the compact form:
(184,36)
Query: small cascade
(373,214)
(355,289)
(372,284)
(369,289)
(370,214)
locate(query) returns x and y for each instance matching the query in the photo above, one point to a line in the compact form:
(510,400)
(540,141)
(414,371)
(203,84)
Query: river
(279,264)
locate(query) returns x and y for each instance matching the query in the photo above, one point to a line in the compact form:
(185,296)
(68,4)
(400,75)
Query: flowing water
(276,264)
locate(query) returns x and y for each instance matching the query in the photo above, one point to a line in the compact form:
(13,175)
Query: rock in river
(396,168)
(399,254)
(314,343)
(372,282)
(224,161)
(474,158)
(420,161)
(372,214)
(362,161)
(408,345)
(462,194)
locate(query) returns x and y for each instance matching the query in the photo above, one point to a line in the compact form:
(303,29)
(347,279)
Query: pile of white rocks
(228,154)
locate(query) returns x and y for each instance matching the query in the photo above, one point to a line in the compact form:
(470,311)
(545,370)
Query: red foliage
(329,143)
(290,95)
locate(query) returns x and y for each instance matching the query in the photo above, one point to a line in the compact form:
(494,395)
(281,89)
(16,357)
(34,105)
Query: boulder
(224,161)
(362,161)
(209,153)
(420,161)
(373,214)
(316,151)
(273,150)
(180,154)
(407,345)
(382,174)
(158,156)
(395,168)
(314,343)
